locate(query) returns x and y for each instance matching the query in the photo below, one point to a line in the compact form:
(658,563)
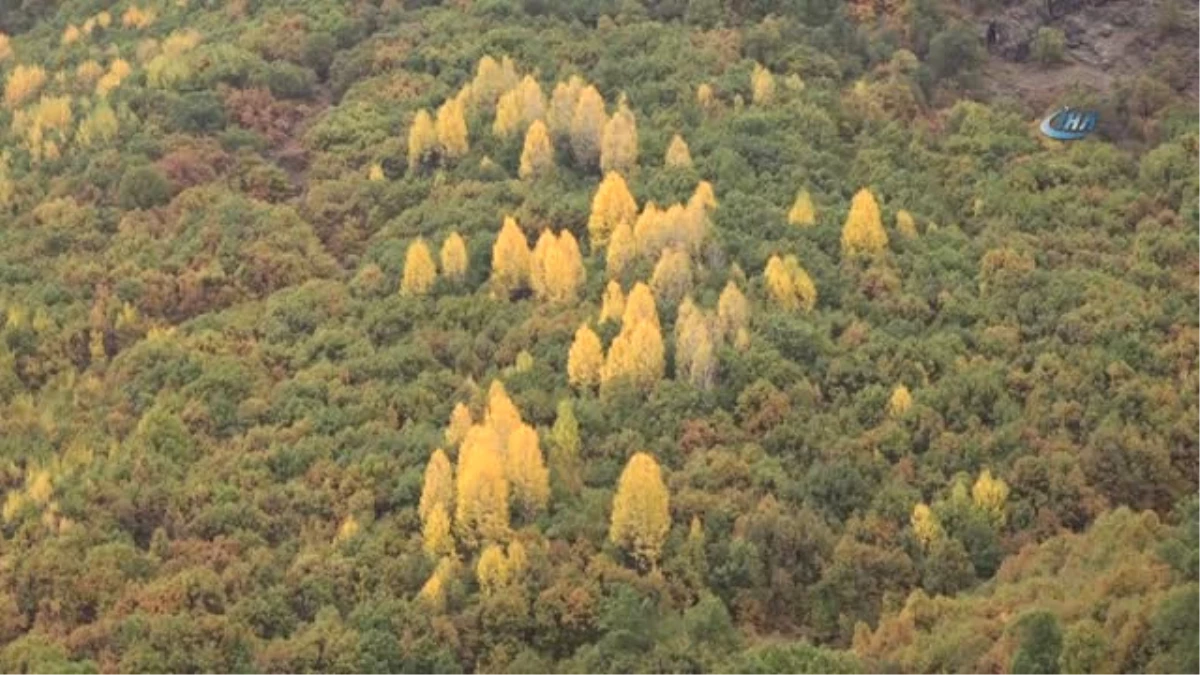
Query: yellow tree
(419,270)
(481,504)
(900,401)
(493,569)
(640,306)
(762,85)
(565,273)
(23,82)
(436,539)
(906,225)
(454,257)
(508,114)
(863,233)
(989,495)
(705,97)
(637,355)
(803,213)
(622,248)
(585,359)
(492,78)
(619,144)
(612,205)
(537,157)
(100,127)
(733,311)
(641,516)
(438,488)
(703,197)
(789,284)
(695,360)
(649,231)
(519,107)
(587,127)
(612,305)
(678,154)
(460,422)
(925,524)
(422,140)
(6,50)
(451,128)
(562,106)
(537,263)
(672,275)
(510,259)
(502,415)
(526,471)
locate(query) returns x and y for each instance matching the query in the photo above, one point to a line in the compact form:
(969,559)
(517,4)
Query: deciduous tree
(803,213)
(587,127)
(451,129)
(641,514)
(537,156)
(526,471)
(612,305)
(585,359)
(419,269)
(612,205)
(454,257)
(422,141)
(510,259)
(678,155)
(619,144)
(863,233)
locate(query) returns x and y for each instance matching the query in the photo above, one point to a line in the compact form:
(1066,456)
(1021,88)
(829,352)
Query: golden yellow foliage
(705,97)
(118,70)
(348,529)
(733,311)
(481,491)
(537,263)
(637,354)
(990,495)
(622,248)
(537,157)
(438,486)
(649,231)
(492,79)
(703,197)
(436,539)
(88,72)
(433,594)
(101,126)
(501,415)
(23,82)
(493,570)
(6,50)
(640,306)
(612,205)
(519,107)
(672,277)
(556,267)
(679,156)
(135,17)
(803,213)
(71,34)
(422,140)
(641,514)
(762,85)
(585,359)
(451,129)
(906,225)
(619,143)
(612,304)
(695,358)
(375,172)
(39,486)
(900,401)
(454,257)
(789,284)
(103,19)
(460,422)
(925,524)
(526,471)
(562,106)
(863,233)
(419,269)
(587,127)
(510,259)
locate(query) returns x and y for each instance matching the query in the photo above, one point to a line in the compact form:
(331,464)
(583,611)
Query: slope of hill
(586,336)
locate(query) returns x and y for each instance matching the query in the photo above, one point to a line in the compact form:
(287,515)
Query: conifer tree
(460,422)
(492,570)
(510,259)
(789,284)
(491,79)
(454,257)
(925,524)
(451,128)
(481,504)
(703,197)
(803,213)
(587,127)
(695,360)
(678,155)
(422,140)
(612,305)
(537,263)
(762,85)
(733,311)
(435,533)
(641,514)
(672,277)
(585,359)
(438,487)
(502,415)
(705,97)
(419,269)
(619,143)
(622,248)
(537,157)
(640,306)
(863,233)
(508,114)
(612,204)
(526,471)
(564,269)
(566,471)
(433,594)
(637,355)
(900,401)
(519,107)
(990,495)
(562,107)
(649,230)
(906,225)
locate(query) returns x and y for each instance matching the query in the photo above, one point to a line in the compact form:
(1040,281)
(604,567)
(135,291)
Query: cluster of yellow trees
(500,471)
(553,270)
(988,495)
(420,272)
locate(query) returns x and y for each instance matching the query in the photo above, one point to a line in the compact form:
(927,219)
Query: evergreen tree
(537,157)
(510,259)
(803,213)
(585,359)
(641,514)
(863,233)
(612,205)
(587,127)
(1040,643)
(419,269)
(678,155)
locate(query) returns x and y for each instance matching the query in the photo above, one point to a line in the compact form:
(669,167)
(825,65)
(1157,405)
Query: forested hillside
(618,335)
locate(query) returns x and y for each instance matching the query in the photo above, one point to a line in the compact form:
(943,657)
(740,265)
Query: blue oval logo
(1069,124)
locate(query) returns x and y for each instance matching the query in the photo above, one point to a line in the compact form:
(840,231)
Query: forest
(541,336)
